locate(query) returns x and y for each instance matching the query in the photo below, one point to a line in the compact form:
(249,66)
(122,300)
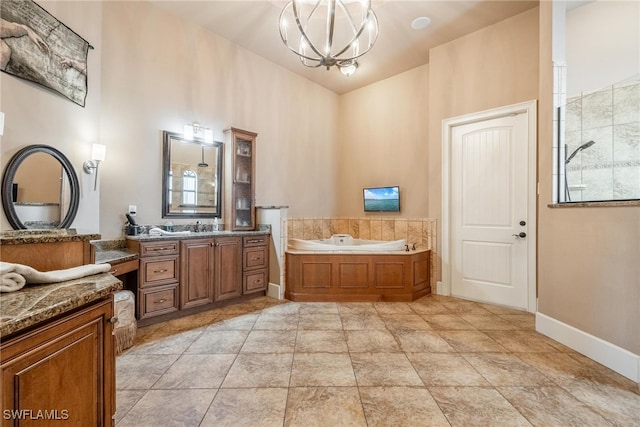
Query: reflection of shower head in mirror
(203,164)
(580,148)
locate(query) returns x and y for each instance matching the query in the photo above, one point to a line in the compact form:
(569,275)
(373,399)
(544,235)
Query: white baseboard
(610,355)
(273,291)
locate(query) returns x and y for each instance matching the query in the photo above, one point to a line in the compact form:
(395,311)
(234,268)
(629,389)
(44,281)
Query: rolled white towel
(33,276)
(155,231)
(10,282)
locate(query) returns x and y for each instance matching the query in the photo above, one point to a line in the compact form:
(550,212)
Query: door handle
(520,235)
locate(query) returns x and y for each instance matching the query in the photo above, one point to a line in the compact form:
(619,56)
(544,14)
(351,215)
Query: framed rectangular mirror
(191,177)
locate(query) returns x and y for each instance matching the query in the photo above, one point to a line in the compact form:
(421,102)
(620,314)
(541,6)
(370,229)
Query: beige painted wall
(383,140)
(493,67)
(588,269)
(160,72)
(34,115)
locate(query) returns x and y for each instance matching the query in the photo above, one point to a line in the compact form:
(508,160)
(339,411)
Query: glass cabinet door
(240,195)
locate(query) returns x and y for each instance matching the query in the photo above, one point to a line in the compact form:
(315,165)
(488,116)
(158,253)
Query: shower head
(580,148)
(203,164)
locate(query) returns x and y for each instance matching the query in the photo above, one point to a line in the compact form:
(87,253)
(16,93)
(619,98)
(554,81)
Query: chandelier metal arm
(331,17)
(302,30)
(370,13)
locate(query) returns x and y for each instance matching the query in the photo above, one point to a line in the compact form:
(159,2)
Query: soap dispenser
(216,225)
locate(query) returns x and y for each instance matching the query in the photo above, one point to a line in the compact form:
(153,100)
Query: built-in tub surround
(421,231)
(346,243)
(394,275)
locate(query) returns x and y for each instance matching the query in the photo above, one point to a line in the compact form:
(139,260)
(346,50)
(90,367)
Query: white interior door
(489,210)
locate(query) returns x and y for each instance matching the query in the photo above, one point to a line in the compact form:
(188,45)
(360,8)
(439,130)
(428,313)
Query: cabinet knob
(114,319)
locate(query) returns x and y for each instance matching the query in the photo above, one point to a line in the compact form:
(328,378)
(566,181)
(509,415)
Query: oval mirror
(191,177)
(40,189)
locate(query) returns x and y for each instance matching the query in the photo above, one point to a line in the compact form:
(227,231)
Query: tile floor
(438,361)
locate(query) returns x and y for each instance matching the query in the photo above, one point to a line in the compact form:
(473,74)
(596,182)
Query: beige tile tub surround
(438,361)
(421,231)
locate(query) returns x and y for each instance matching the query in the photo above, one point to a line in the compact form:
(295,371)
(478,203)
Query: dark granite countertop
(115,256)
(19,237)
(35,304)
(198,235)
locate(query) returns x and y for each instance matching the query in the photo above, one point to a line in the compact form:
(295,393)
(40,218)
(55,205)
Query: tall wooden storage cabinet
(239,206)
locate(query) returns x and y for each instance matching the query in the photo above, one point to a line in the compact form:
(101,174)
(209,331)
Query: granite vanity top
(113,251)
(198,235)
(35,304)
(115,256)
(19,237)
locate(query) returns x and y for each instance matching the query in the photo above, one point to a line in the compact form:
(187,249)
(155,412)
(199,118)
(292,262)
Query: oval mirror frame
(10,173)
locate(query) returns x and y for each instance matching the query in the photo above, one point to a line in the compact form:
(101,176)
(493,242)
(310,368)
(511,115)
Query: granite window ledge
(595,204)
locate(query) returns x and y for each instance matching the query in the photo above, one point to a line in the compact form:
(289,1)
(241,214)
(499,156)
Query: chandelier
(324,33)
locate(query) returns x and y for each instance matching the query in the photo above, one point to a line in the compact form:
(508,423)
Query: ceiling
(254,26)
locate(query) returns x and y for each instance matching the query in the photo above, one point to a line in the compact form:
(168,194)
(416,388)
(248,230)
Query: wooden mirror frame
(10,173)
(166,168)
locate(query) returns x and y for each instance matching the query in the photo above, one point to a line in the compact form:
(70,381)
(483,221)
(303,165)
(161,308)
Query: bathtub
(342,268)
(345,242)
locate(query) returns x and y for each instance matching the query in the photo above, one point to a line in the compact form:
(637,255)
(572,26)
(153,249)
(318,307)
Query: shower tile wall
(610,169)
(421,231)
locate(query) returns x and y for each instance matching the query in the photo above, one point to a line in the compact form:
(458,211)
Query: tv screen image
(382,199)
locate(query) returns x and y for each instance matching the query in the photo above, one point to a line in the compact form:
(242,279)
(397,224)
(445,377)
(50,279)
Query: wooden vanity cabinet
(255,264)
(158,277)
(211,270)
(189,275)
(62,371)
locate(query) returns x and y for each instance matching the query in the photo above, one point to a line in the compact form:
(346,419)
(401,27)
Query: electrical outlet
(132,210)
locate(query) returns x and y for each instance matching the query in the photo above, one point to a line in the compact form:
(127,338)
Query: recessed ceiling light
(421,23)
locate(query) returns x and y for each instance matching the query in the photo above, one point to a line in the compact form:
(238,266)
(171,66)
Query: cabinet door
(197,272)
(240,186)
(62,371)
(228,268)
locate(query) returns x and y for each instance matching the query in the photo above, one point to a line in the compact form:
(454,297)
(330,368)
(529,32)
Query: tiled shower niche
(610,168)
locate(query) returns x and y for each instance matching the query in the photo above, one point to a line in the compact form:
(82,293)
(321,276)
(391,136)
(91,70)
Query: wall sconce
(98,152)
(1,123)
(195,130)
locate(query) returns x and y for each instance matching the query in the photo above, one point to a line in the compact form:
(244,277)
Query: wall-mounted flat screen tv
(382,199)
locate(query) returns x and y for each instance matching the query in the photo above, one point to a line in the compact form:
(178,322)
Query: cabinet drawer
(255,241)
(255,258)
(255,281)
(124,267)
(169,247)
(160,300)
(159,271)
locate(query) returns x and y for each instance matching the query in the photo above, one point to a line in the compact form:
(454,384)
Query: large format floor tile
(438,361)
